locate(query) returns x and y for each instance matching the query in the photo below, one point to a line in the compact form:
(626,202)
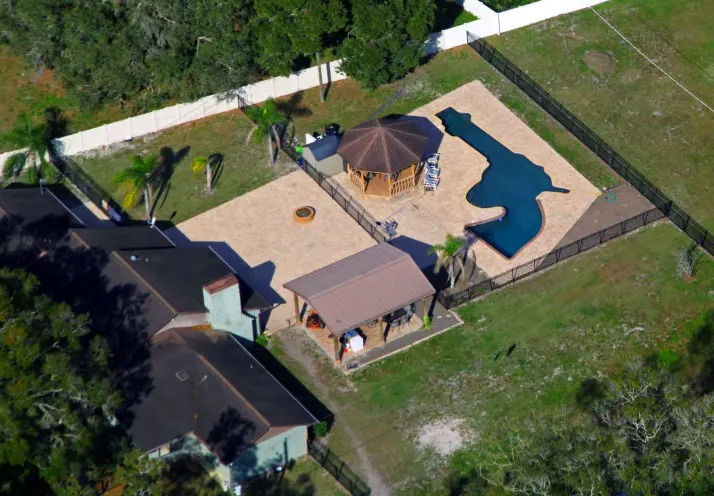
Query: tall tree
(451,255)
(137,181)
(290,29)
(34,139)
(265,120)
(386,39)
(56,401)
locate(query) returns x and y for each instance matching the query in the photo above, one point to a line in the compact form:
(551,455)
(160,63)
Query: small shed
(322,155)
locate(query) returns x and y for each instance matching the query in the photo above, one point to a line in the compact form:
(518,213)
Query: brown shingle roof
(383,145)
(362,287)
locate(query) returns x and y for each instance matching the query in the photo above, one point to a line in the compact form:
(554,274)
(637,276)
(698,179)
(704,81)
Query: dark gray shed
(322,154)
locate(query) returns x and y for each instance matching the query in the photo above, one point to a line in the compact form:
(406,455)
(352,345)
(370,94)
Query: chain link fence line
(555,256)
(338,469)
(596,144)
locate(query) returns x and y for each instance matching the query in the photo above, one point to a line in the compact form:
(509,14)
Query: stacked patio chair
(431,173)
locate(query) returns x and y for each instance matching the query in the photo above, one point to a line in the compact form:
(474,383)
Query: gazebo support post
(297,308)
(413,178)
(389,184)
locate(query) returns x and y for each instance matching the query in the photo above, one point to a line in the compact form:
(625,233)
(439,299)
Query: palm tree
(198,166)
(34,140)
(451,255)
(137,181)
(265,118)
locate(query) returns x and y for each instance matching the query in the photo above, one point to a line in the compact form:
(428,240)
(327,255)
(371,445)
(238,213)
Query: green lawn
(449,15)
(652,122)
(245,165)
(588,316)
(305,478)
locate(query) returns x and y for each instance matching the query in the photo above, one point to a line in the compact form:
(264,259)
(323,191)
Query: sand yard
(268,247)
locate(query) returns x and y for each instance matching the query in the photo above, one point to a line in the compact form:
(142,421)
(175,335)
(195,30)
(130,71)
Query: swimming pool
(511,181)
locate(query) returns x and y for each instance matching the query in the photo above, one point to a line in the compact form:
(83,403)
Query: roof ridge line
(234,389)
(363,274)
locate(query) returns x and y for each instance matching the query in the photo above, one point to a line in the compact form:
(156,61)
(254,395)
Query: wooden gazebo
(383,156)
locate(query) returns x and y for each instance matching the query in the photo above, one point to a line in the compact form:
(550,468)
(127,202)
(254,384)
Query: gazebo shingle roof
(362,287)
(383,145)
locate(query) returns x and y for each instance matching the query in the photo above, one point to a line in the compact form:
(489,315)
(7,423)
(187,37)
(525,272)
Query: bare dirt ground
(443,436)
(298,347)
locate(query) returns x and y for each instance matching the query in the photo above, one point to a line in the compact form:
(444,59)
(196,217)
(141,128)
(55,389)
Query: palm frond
(13,165)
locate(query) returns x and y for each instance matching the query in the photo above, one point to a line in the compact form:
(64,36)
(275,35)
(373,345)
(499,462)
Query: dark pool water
(510,181)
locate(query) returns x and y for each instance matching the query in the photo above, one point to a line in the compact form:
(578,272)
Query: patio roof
(362,287)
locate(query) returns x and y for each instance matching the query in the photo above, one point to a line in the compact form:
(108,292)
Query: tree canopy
(385,40)
(649,429)
(146,52)
(56,402)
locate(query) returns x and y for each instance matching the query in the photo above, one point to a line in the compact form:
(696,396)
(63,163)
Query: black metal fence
(342,197)
(670,209)
(338,469)
(558,255)
(83,182)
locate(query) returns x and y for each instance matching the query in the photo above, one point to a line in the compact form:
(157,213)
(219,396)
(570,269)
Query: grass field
(305,478)
(651,121)
(245,165)
(585,317)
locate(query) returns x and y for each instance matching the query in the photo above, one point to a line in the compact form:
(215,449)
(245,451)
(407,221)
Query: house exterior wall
(226,313)
(274,452)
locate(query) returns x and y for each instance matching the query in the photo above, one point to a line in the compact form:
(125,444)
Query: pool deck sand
(429,216)
(269,247)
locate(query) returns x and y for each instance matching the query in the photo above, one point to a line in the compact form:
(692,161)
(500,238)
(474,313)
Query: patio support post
(425,304)
(297,309)
(381,329)
(336,342)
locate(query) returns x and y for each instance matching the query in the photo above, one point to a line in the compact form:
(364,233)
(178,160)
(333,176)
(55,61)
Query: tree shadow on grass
(168,160)
(292,107)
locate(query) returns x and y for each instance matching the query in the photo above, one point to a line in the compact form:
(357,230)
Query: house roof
(31,220)
(124,238)
(362,287)
(177,274)
(209,385)
(385,145)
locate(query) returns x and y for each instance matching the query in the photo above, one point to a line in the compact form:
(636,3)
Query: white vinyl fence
(489,23)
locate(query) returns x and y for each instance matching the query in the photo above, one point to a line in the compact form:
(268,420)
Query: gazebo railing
(403,185)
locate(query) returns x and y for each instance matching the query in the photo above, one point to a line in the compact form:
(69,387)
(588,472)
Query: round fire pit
(304,214)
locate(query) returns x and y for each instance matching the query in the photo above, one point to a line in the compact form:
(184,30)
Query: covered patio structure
(384,156)
(372,294)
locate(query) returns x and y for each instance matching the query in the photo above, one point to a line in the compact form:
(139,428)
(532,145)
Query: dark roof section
(31,220)
(357,289)
(253,381)
(208,384)
(383,145)
(124,238)
(324,147)
(177,274)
